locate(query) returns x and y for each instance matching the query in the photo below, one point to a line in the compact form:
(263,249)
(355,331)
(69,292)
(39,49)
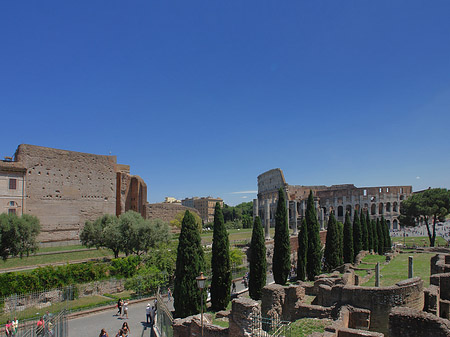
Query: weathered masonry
(379,201)
(64,189)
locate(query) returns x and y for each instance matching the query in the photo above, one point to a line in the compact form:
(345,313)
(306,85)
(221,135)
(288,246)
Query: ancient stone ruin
(405,309)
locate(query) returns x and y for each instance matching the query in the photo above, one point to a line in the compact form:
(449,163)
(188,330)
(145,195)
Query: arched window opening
(388,207)
(395,224)
(395,207)
(373,209)
(348,209)
(340,211)
(380,208)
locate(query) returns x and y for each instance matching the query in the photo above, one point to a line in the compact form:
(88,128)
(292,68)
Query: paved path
(90,326)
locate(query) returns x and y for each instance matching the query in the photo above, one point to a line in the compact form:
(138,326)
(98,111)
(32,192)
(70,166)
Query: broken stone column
(295,218)
(267,220)
(410,267)
(377,275)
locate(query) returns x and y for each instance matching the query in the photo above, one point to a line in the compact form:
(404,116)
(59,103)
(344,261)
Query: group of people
(122,307)
(123,332)
(44,327)
(11,327)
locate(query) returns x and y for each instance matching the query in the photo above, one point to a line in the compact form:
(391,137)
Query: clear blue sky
(200,97)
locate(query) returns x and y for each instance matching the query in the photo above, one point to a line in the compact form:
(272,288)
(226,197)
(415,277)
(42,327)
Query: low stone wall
(406,322)
(192,326)
(379,301)
(440,263)
(47,298)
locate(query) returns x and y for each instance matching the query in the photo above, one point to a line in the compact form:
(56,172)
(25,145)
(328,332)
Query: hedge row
(45,278)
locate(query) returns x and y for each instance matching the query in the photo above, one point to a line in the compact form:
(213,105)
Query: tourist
(152,315)
(8,328)
(15,326)
(125,329)
(120,333)
(169,294)
(119,307)
(233,287)
(103,333)
(40,327)
(148,312)
(125,309)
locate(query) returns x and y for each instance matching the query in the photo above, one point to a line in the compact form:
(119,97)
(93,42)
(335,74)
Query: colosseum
(379,201)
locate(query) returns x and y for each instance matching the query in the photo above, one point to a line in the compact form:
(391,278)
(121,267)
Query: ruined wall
(406,322)
(66,188)
(380,301)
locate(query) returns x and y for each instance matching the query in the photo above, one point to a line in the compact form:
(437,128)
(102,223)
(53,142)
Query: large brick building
(204,205)
(64,189)
(379,201)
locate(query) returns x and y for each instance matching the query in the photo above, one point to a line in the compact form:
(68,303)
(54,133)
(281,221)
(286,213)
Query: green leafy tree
(357,234)
(349,256)
(369,231)
(18,235)
(332,246)
(281,263)
(220,263)
(430,206)
(179,219)
(364,231)
(302,251)
(314,256)
(258,262)
(380,236)
(190,262)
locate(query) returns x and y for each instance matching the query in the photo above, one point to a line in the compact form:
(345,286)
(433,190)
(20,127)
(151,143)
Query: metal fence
(269,326)
(164,319)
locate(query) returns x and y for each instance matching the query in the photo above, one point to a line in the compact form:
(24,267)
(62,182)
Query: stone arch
(388,207)
(388,224)
(348,208)
(395,224)
(395,207)
(380,208)
(373,209)
(340,211)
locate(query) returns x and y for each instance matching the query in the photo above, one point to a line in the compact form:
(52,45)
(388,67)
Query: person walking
(233,287)
(8,328)
(119,307)
(40,327)
(15,326)
(125,329)
(169,294)
(153,315)
(148,313)
(103,333)
(125,309)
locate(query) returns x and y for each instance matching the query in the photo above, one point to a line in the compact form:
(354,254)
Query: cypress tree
(380,236)
(357,235)
(258,262)
(281,263)
(349,255)
(340,226)
(364,231)
(302,251)
(369,231)
(220,263)
(387,237)
(190,262)
(332,246)
(374,235)
(314,255)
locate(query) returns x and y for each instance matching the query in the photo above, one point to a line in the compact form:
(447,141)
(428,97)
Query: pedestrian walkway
(90,325)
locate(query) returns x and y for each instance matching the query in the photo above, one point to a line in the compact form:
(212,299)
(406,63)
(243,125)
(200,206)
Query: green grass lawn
(419,241)
(244,234)
(306,326)
(397,269)
(34,260)
(373,259)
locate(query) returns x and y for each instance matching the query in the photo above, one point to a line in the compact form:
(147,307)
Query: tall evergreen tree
(387,237)
(380,236)
(369,231)
(340,226)
(258,262)
(302,251)
(364,231)
(220,263)
(314,255)
(190,262)
(332,246)
(281,263)
(357,235)
(349,255)
(374,236)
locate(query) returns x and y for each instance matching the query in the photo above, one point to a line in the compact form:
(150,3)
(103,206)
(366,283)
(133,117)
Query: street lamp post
(201,285)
